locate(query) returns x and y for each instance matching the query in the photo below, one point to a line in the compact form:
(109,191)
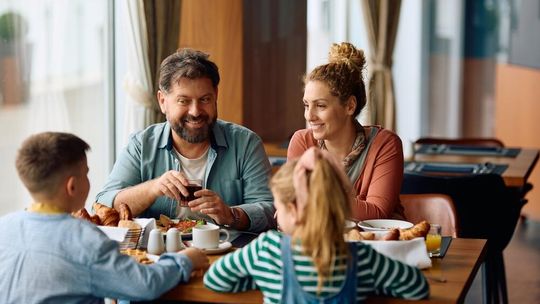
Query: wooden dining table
(516,175)
(449,277)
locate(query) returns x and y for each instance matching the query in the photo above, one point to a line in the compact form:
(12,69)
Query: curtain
(152,33)
(381,19)
(48,108)
(140,108)
(163,28)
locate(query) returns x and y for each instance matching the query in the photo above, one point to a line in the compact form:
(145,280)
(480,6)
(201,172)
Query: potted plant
(13,56)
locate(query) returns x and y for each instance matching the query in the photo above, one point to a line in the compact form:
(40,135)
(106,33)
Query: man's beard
(194,136)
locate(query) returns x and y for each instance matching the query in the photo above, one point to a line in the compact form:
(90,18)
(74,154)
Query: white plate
(349,225)
(222,247)
(382,225)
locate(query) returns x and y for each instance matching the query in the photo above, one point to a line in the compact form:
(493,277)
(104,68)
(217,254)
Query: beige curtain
(163,31)
(381,19)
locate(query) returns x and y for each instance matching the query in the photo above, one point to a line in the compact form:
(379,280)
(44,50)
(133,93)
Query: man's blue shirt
(238,170)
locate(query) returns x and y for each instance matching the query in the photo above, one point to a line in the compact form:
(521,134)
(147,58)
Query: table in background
(277,155)
(519,167)
(458,267)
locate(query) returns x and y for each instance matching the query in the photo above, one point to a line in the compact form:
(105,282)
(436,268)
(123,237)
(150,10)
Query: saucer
(222,247)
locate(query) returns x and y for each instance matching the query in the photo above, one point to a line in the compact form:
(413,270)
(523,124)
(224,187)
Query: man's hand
(171,184)
(209,203)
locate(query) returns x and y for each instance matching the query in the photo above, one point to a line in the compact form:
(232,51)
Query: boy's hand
(197,257)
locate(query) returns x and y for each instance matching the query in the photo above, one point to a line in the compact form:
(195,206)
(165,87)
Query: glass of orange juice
(433,240)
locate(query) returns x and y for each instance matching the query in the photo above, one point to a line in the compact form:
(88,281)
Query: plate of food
(402,234)
(384,225)
(184,226)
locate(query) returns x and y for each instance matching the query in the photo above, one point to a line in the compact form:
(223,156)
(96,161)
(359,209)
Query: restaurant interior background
(460,68)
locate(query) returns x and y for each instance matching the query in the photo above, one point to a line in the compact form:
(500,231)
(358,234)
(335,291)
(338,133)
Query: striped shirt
(259,265)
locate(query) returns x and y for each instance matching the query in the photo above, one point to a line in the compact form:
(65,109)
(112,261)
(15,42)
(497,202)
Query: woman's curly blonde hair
(343,74)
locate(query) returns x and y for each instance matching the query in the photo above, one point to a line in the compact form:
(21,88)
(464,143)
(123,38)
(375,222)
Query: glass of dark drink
(193,186)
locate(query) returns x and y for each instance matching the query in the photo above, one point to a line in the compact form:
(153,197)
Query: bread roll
(125,212)
(128,224)
(355,235)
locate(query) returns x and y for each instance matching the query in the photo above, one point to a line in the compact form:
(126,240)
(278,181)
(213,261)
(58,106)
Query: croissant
(82,214)
(108,216)
(95,219)
(125,212)
(392,235)
(419,230)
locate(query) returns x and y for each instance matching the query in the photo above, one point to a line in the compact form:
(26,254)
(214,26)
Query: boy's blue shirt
(60,259)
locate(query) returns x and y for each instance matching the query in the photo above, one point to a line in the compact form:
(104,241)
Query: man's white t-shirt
(192,169)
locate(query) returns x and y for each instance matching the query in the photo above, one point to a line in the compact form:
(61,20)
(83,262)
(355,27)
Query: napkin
(114,233)
(147,224)
(118,234)
(412,252)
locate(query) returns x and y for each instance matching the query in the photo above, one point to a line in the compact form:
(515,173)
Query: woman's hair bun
(347,53)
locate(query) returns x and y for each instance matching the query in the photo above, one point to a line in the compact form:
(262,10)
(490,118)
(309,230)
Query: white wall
(410,73)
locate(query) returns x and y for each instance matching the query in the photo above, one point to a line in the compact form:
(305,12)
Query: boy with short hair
(46,255)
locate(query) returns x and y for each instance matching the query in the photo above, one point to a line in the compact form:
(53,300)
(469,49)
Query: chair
(434,208)
(485,209)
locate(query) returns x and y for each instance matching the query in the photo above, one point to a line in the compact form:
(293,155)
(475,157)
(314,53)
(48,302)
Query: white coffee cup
(156,245)
(207,236)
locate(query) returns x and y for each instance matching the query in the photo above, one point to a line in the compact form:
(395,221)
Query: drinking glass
(433,240)
(193,186)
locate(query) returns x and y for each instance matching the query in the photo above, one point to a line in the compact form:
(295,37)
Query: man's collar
(217,136)
(165,140)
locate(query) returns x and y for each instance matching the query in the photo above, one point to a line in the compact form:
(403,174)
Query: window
(55,75)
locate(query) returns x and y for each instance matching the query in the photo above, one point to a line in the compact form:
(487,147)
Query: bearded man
(152,172)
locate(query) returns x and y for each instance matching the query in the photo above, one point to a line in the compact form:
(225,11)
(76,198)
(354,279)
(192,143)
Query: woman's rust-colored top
(378,185)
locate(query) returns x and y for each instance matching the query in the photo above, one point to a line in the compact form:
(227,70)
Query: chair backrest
(434,208)
(485,207)
(471,141)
